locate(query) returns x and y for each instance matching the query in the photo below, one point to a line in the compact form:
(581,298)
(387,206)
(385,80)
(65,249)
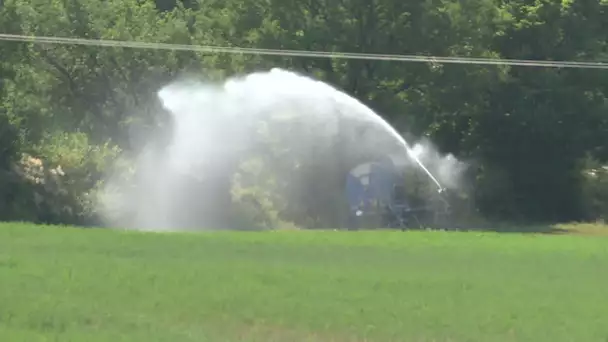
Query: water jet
(278,131)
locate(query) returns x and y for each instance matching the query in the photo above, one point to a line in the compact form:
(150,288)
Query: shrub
(256,199)
(595,191)
(56,182)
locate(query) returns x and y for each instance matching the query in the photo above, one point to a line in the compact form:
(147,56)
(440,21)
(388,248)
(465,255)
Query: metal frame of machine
(375,193)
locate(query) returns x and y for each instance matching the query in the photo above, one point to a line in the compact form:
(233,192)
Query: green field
(65,284)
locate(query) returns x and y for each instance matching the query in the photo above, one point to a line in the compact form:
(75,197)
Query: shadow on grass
(595,229)
(519,229)
(531,229)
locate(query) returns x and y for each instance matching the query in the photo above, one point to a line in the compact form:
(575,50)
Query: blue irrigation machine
(377,196)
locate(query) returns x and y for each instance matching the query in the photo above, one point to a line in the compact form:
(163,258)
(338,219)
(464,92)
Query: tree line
(536,137)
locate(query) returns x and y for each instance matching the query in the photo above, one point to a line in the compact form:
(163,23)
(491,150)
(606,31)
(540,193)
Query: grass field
(67,284)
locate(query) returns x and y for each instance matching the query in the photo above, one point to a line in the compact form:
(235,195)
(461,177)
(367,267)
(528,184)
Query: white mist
(215,125)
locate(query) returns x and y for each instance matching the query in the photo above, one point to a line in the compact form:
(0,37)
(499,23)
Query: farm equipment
(378,197)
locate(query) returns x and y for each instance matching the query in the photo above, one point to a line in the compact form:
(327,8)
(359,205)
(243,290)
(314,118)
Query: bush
(56,182)
(255,197)
(595,191)
(9,147)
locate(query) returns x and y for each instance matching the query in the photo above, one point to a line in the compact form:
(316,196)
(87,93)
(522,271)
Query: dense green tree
(529,133)
(541,124)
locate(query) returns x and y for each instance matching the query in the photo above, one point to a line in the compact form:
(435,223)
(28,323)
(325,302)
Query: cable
(300,53)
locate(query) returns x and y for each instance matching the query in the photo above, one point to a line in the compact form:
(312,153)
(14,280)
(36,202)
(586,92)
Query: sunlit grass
(69,284)
(595,229)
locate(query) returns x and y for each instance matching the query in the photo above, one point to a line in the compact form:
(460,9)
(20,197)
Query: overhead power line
(300,53)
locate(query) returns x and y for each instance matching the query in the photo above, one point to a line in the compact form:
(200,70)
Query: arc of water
(411,154)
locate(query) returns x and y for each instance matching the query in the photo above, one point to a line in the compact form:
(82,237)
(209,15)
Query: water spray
(207,117)
(390,129)
(411,154)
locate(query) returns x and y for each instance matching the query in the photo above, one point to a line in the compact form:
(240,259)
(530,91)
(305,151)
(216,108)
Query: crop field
(70,284)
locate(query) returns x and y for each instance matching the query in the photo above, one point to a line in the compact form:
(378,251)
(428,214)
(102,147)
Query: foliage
(256,197)
(595,191)
(527,131)
(59,187)
(9,148)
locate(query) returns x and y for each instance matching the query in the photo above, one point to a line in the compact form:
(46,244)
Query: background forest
(536,138)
